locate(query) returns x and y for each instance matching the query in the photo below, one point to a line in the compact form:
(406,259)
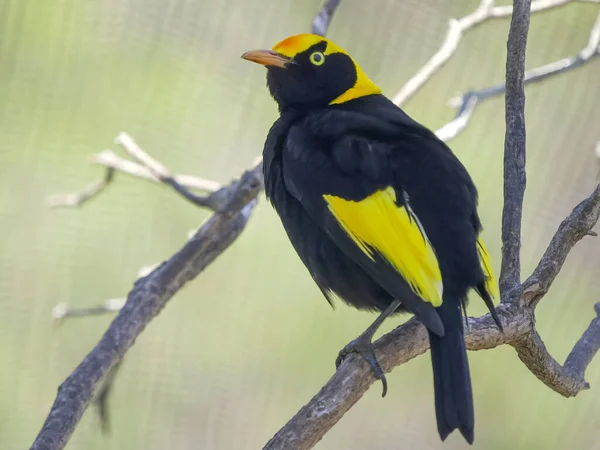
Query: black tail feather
(452,382)
(487,299)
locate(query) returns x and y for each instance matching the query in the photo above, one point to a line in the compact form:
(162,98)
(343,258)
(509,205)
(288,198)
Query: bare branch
(155,172)
(108,158)
(321,22)
(77,199)
(567,380)
(577,225)
(149,295)
(62,311)
(514,150)
(456,30)
(159,171)
(586,348)
(466,103)
(354,377)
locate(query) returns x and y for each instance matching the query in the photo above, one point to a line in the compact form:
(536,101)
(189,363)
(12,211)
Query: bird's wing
(491,286)
(349,191)
(488,290)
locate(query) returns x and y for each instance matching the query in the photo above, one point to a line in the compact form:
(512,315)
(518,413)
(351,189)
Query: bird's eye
(317,58)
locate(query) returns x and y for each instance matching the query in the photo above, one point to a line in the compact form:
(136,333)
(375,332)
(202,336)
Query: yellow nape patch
(376,222)
(490,280)
(363,86)
(294,45)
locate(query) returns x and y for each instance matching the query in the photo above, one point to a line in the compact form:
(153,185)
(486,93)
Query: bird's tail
(451,379)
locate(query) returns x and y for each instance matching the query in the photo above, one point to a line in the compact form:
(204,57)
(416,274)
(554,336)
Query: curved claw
(364,349)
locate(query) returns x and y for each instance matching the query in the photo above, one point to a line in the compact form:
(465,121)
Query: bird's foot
(364,347)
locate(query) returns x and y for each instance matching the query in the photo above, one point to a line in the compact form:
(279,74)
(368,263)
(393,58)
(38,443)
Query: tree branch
(466,103)
(567,380)
(79,198)
(147,168)
(514,150)
(456,30)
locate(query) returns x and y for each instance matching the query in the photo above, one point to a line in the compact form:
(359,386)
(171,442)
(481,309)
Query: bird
(380,211)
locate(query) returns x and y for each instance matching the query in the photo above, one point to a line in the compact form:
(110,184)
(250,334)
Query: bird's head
(308,71)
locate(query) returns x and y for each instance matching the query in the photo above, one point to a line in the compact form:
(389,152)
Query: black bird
(380,211)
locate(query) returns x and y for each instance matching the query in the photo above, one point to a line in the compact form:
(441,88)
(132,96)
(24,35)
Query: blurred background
(244,346)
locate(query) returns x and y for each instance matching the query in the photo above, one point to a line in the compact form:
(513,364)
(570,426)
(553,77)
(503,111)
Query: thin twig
(62,311)
(514,150)
(456,30)
(212,201)
(108,158)
(155,172)
(321,22)
(77,199)
(466,103)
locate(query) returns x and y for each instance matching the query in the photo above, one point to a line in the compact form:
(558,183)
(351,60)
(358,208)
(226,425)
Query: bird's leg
(364,347)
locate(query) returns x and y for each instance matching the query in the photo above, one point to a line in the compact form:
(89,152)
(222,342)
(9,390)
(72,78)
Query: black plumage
(321,148)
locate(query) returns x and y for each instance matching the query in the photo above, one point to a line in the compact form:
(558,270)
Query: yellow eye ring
(317,58)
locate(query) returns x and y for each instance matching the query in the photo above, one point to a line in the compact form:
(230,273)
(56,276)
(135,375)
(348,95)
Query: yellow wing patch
(491,284)
(376,222)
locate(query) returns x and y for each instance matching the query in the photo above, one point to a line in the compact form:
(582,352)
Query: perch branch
(514,150)
(456,30)
(466,103)
(354,377)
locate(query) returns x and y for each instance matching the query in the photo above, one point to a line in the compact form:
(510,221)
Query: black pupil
(317,57)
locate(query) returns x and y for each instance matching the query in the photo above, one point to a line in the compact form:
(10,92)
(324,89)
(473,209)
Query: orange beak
(268,58)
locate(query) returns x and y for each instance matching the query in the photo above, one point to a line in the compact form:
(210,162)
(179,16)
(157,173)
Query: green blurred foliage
(245,345)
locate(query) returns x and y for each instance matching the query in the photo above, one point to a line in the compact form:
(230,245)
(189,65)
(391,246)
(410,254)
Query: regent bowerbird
(380,210)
